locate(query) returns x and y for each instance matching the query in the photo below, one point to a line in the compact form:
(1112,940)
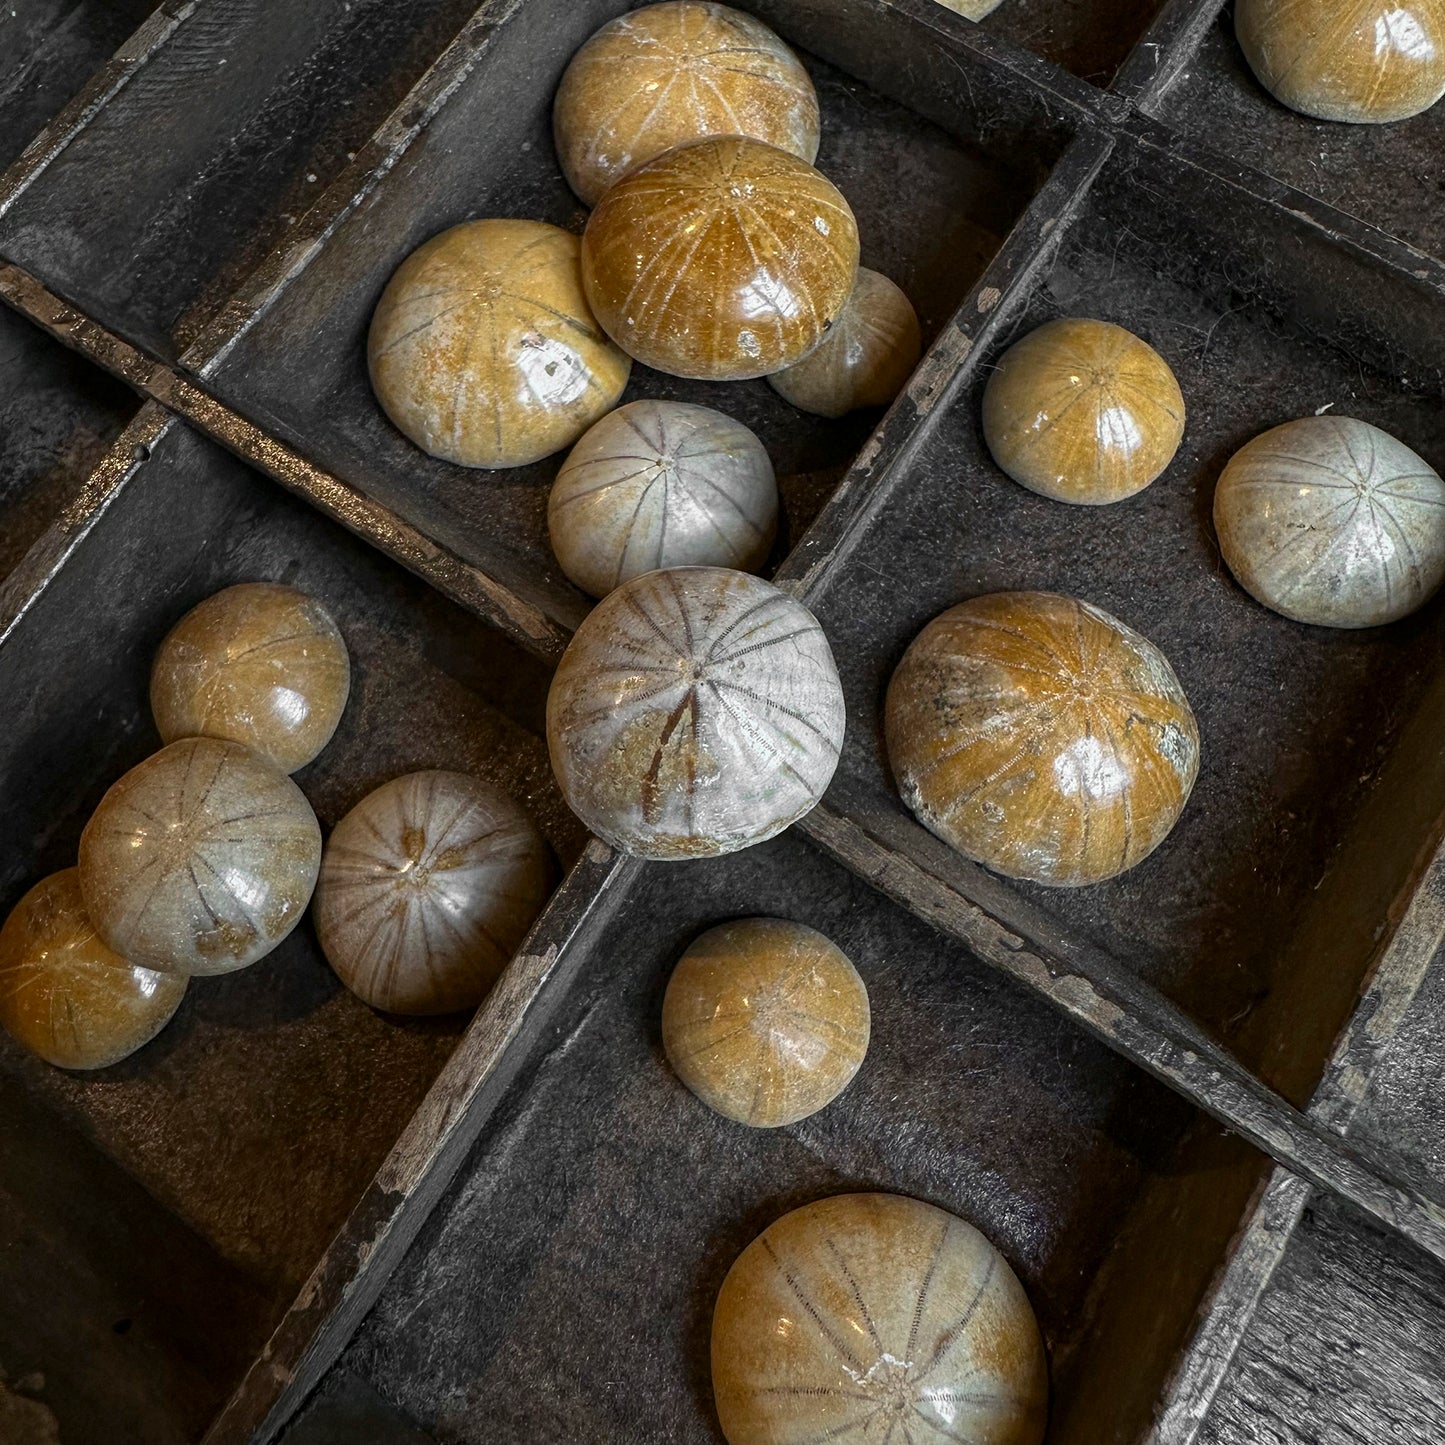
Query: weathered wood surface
(1383,1081)
(1346,1348)
(448,573)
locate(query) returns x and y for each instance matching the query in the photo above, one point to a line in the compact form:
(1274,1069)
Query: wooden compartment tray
(1191,1105)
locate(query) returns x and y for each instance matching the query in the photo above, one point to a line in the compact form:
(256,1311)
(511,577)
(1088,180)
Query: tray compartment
(48,49)
(239,1141)
(1297,723)
(58,415)
(489,151)
(972,1095)
(192,171)
(1392,176)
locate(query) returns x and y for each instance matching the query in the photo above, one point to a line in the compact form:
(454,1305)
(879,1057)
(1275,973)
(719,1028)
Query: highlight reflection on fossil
(1083,411)
(199,860)
(256,663)
(483,350)
(670,74)
(1041,737)
(765,1020)
(721,260)
(864,360)
(64,994)
(1347,60)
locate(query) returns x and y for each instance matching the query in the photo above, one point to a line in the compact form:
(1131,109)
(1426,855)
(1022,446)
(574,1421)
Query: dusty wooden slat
(1164,50)
(149,36)
(1268,1228)
(1139,1023)
(384,1222)
(51,550)
(359,513)
(387,145)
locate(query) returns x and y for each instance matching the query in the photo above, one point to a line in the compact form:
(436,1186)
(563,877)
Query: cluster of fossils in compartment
(698,709)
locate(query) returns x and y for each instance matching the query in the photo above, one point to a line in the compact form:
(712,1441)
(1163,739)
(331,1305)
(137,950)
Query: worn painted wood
(451,576)
(1347,1347)
(383,1224)
(1269,1227)
(152,33)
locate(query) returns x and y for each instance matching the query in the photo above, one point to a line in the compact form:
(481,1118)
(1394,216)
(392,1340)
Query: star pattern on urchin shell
(889,1363)
(1041,736)
(698,704)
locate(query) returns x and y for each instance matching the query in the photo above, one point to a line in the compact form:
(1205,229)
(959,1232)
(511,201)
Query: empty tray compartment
(203,161)
(1279,882)
(1392,176)
(157,1217)
(1089,38)
(48,50)
(58,415)
(564,1286)
(968,155)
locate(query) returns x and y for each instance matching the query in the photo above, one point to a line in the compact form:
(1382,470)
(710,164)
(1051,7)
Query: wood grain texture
(64,994)
(865,360)
(971,9)
(483,350)
(1041,737)
(765,1020)
(1349,60)
(199,860)
(697,711)
(1346,1347)
(670,74)
(1083,411)
(1332,521)
(662,484)
(876,1318)
(427,888)
(721,260)
(257,664)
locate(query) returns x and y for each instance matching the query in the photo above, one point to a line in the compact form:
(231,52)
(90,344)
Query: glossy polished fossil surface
(873,1318)
(1083,411)
(199,860)
(1041,737)
(721,260)
(427,888)
(259,664)
(665,75)
(662,484)
(483,350)
(64,994)
(1332,521)
(766,1021)
(697,711)
(864,360)
(1350,60)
